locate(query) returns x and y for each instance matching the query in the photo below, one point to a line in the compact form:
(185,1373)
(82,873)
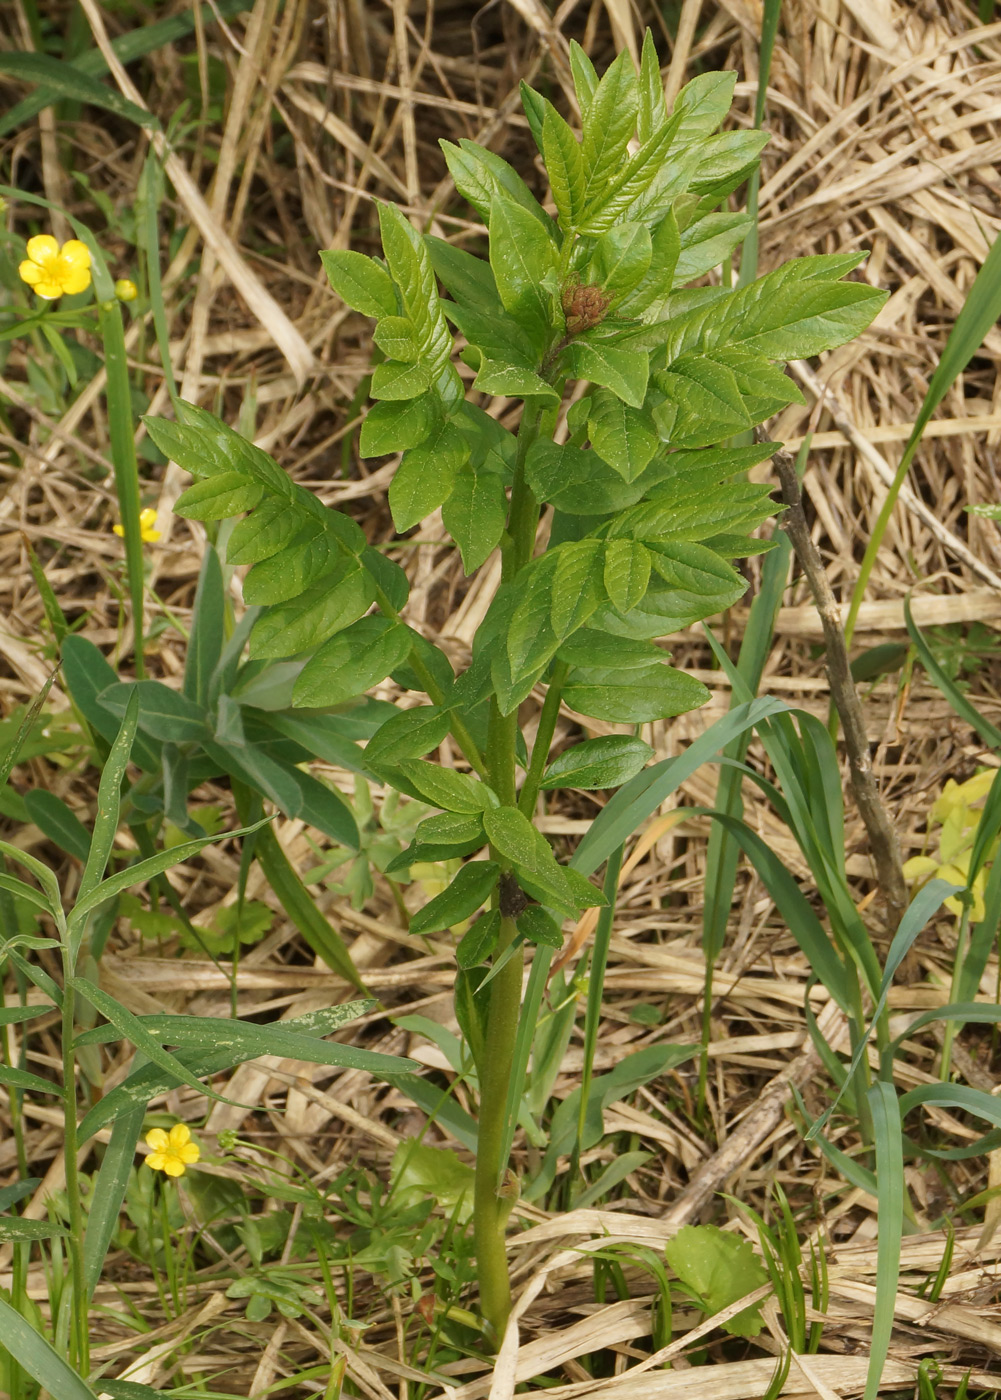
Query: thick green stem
(79,1331)
(491,1208)
(492,1204)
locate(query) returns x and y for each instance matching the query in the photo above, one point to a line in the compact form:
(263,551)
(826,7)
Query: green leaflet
(360,281)
(623,436)
(565,167)
(395,425)
(474,515)
(333,603)
(351,662)
(426,476)
(410,266)
(467,892)
(598,763)
(657,693)
(609,124)
(523,256)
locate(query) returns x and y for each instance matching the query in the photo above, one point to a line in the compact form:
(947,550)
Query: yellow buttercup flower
(147,526)
(53,271)
(126,289)
(172,1152)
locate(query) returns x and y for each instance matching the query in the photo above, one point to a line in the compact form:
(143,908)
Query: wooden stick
(882,838)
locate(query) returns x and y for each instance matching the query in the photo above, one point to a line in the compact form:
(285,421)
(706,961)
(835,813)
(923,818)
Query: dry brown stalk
(882,838)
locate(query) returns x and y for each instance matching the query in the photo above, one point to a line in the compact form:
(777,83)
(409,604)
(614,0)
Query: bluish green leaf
(208,619)
(165,713)
(37,1356)
(58,822)
(69,83)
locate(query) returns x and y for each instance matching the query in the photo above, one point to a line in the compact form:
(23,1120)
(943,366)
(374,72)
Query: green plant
(203,1051)
(646,508)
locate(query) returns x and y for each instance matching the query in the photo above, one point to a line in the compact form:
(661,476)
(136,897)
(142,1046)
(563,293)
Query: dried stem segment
(882,839)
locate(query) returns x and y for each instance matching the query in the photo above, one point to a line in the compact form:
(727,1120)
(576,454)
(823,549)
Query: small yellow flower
(147,526)
(126,289)
(172,1152)
(53,271)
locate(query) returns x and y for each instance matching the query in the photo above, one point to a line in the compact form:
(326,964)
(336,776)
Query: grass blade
(639,799)
(32,1352)
(885,1109)
(981,310)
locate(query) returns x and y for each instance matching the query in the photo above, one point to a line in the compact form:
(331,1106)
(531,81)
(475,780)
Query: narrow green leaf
(15,1230)
(109,1193)
(109,797)
(208,626)
(131,1028)
(58,822)
(71,84)
(144,870)
(37,1356)
(23,1079)
(888,1133)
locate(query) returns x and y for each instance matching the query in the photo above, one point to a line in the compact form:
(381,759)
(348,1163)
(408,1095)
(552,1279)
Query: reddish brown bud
(584,307)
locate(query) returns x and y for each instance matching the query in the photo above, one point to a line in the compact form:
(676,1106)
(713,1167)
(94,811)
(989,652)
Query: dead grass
(886,125)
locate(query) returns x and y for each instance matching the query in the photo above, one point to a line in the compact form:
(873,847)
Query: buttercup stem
(79,1333)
